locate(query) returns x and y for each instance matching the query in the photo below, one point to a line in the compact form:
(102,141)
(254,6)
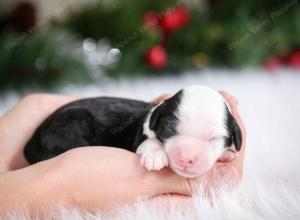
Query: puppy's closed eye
(216,138)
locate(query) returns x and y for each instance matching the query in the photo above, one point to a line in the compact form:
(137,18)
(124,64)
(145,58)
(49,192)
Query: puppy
(188,132)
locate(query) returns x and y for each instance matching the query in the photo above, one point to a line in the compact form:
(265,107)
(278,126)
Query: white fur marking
(146,129)
(201,112)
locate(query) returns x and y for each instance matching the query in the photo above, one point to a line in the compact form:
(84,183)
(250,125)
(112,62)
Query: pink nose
(187,162)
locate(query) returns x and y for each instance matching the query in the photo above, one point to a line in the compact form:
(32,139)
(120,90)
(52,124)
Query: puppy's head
(195,127)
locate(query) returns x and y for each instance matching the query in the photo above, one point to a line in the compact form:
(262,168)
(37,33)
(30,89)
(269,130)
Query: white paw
(154,159)
(152,154)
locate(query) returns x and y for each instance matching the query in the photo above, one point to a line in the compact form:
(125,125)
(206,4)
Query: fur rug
(270,107)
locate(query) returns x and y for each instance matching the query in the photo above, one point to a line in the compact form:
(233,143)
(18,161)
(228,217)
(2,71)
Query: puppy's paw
(152,154)
(154,159)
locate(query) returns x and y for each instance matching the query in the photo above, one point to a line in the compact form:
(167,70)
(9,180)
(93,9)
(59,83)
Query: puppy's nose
(187,162)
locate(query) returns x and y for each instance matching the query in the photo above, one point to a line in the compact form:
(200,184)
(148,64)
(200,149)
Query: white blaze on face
(201,130)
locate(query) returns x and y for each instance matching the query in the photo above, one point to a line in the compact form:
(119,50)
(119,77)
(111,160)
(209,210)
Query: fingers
(220,177)
(167,182)
(25,117)
(233,103)
(162,98)
(223,177)
(174,184)
(230,99)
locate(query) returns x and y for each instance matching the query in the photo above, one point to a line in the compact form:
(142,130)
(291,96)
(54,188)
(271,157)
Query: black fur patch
(163,120)
(104,121)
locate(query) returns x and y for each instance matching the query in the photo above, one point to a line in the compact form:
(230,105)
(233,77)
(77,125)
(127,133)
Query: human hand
(18,125)
(126,180)
(78,174)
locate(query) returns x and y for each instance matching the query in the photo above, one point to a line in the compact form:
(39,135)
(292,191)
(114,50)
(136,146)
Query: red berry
(272,63)
(174,19)
(151,19)
(293,60)
(156,57)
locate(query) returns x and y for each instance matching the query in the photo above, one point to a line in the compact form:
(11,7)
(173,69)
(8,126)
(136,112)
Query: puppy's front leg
(153,157)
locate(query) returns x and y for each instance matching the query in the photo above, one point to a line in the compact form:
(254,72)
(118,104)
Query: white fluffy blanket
(270,107)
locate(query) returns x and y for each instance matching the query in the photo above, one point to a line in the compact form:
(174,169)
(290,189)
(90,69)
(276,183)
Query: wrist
(35,188)
(51,184)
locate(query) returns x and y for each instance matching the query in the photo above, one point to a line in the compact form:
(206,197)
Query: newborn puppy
(188,132)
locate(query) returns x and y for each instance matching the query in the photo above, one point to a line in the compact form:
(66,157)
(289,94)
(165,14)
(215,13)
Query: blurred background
(45,45)
(143,48)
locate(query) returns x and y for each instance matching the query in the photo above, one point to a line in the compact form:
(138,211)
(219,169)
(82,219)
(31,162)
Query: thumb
(171,183)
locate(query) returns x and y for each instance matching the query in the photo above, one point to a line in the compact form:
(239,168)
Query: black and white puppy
(188,132)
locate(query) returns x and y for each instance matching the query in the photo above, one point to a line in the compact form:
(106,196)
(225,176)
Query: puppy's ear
(165,110)
(234,131)
(163,119)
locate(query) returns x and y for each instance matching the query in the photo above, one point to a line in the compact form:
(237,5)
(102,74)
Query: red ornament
(272,63)
(156,57)
(175,19)
(293,60)
(172,20)
(151,19)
